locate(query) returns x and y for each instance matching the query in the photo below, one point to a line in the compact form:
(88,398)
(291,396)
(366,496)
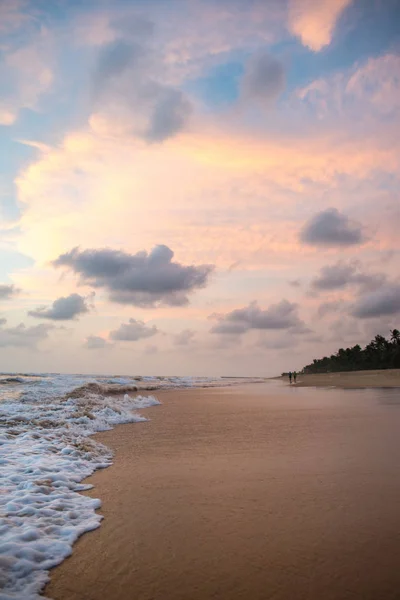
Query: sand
(260,493)
(388,378)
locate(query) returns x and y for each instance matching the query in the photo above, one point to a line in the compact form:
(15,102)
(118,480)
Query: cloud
(22,336)
(62,309)
(184,337)
(130,99)
(382,302)
(8,291)
(278,316)
(295,283)
(229,328)
(331,228)
(96,342)
(11,15)
(367,93)
(26,68)
(141,279)
(264,78)
(378,80)
(300,329)
(341,275)
(114,59)
(329,307)
(170,113)
(314,21)
(346,330)
(334,277)
(133,331)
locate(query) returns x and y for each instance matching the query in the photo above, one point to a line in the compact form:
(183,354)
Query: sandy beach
(388,378)
(263,492)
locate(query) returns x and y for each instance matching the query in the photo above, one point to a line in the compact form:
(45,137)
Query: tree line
(380,353)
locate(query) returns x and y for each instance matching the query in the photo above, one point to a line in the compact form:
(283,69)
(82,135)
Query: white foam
(45,452)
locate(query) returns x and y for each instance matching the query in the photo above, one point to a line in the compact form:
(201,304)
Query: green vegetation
(380,353)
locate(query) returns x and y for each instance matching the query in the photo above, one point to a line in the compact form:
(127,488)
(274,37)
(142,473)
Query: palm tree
(395,337)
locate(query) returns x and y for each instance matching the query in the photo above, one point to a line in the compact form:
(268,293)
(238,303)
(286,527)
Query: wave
(16,379)
(7,380)
(101,390)
(45,453)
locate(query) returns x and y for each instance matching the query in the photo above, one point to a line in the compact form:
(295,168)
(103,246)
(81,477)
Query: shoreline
(243,492)
(387,378)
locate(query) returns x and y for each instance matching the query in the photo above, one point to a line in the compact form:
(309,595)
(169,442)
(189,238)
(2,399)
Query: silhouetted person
(294,376)
(290,376)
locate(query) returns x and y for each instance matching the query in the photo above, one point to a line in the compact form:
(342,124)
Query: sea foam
(45,452)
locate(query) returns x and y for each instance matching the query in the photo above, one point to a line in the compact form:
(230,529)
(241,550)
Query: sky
(197,187)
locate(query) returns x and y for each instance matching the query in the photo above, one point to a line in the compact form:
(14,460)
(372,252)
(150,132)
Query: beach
(260,491)
(388,378)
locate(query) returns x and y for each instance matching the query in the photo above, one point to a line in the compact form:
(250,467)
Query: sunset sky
(197,186)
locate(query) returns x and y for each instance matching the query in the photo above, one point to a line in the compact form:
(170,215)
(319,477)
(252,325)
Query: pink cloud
(314,21)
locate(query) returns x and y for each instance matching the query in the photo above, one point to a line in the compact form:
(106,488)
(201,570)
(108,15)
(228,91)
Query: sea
(46,451)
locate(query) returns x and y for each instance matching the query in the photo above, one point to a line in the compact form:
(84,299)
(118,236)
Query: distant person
(290,376)
(294,376)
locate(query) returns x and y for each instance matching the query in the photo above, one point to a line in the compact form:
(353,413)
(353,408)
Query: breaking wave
(101,389)
(11,380)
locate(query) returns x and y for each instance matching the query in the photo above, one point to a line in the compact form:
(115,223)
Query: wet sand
(262,493)
(388,378)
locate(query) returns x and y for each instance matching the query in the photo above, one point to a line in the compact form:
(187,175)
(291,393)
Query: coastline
(388,378)
(239,492)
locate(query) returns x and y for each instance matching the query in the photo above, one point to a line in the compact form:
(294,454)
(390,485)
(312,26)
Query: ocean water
(46,421)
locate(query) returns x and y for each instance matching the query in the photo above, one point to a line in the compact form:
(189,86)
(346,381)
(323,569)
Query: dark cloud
(295,283)
(264,78)
(134,27)
(334,277)
(142,279)
(229,328)
(133,331)
(369,281)
(300,329)
(169,115)
(124,88)
(331,228)
(382,302)
(341,275)
(184,337)
(278,316)
(8,291)
(114,59)
(22,336)
(95,342)
(63,309)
